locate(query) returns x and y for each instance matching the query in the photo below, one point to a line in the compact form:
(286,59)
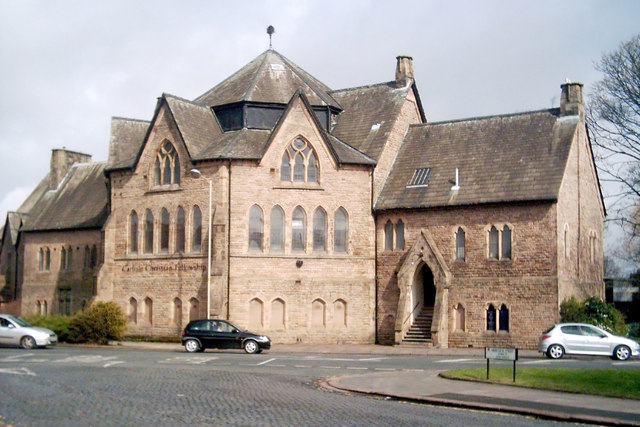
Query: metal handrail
(411,314)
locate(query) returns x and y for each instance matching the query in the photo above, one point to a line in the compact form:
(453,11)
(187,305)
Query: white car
(581,338)
(15,331)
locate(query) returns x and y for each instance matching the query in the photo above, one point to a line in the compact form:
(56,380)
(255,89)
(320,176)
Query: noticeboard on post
(501,353)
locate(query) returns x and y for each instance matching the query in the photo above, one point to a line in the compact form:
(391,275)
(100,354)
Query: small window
(180,230)
(41,260)
(504,318)
(459,313)
(164,230)
(148,232)
(63,259)
(94,256)
(319,230)
(64,302)
(133,310)
(388,236)
(276,240)
(460,237)
(196,230)
(255,228)
(47,259)
(420,177)
(298,230)
(400,235)
(506,243)
(87,257)
(493,243)
(341,229)
(491,318)
(133,232)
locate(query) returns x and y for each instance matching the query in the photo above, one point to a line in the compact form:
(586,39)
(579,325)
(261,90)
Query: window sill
(298,186)
(163,188)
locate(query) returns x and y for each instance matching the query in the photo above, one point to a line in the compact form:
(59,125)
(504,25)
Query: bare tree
(613,116)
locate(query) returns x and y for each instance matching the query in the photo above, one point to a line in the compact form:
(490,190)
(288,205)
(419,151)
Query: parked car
(199,335)
(581,338)
(16,331)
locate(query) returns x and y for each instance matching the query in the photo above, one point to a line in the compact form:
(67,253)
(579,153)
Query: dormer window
(167,165)
(299,163)
(420,178)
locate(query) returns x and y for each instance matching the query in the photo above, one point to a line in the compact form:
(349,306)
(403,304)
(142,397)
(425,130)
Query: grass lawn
(604,382)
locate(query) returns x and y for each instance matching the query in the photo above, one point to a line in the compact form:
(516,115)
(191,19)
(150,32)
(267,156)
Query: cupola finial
(270,31)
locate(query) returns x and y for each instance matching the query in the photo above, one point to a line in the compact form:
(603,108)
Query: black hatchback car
(199,335)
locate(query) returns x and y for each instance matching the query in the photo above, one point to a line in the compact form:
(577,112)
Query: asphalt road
(79,386)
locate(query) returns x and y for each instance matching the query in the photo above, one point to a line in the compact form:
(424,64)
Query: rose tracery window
(299,163)
(167,165)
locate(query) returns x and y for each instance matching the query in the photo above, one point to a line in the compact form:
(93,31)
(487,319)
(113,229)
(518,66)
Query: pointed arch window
(164,230)
(493,243)
(133,232)
(148,232)
(503,318)
(460,237)
(319,230)
(47,259)
(194,309)
(133,310)
(298,230)
(167,165)
(388,236)
(299,163)
(94,256)
(340,230)
(506,243)
(177,311)
(255,228)
(63,259)
(196,230)
(180,230)
(491,318)
(41,260)
(400,235)
(276,240)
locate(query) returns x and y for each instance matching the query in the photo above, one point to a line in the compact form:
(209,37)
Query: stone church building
(318,216)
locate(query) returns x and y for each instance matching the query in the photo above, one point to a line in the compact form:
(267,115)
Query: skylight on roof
(420,178)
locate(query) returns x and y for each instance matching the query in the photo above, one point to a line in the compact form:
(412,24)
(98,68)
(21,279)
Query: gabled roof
(127,136)
(80,201)
(14,222)
(508,158)
(369,115)
(270,78)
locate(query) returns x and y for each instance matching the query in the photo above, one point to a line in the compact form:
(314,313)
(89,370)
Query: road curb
(333,384)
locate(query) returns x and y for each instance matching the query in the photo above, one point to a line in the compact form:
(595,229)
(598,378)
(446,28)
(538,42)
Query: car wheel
(555,351)
(192,346)
(250,346)
(27,343)
(622,352)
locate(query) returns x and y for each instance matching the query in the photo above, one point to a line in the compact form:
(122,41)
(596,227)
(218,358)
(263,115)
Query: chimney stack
(61,162)
(404,70)
(571,100)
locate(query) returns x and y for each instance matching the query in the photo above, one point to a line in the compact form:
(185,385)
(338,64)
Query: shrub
(58,323)
(593,311)
(100,323)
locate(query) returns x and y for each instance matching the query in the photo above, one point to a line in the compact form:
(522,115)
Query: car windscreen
(21,322)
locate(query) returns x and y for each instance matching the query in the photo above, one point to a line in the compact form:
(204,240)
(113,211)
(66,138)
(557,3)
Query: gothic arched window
(167,165)
(299,163)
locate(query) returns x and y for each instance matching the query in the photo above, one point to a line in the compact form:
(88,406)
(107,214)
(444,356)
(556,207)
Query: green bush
(593,311)
(56,322)
(100,323)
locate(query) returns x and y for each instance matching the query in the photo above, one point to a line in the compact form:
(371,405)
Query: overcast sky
(67,67)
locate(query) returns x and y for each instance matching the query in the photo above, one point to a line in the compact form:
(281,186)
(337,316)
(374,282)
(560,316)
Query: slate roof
(79,202)
(270,78)
(518,157)
(368,116)
(127,136)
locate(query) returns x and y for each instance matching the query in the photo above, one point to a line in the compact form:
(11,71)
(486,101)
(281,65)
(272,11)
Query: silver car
(15,331)
(581,338)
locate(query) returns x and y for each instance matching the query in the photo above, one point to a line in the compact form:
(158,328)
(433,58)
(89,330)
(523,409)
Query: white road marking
(531,362)
(266,361)
(357,367)
(459,360)
(85,359)
(106,365)
(190,360)
(384,369)
(19,371)
(301,366)
(343,359)
(16,358)
(329,367)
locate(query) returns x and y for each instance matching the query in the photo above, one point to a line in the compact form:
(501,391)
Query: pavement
(428,387)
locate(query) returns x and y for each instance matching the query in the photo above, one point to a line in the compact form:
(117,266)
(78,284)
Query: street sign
(501,353)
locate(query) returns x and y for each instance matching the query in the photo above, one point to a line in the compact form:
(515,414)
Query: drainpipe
(229,242)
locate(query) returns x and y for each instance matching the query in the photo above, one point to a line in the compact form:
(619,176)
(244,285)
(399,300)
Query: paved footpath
(429,387)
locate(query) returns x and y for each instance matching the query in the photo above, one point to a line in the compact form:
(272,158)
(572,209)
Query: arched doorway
(423,299)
